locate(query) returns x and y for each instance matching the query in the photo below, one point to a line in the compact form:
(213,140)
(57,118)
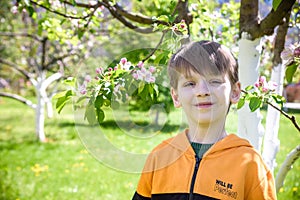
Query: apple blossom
(99,70)
(123,61)
(152,69)
(140,64)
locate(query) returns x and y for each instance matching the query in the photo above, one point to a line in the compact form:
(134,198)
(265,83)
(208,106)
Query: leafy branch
(255,103)
(263,92)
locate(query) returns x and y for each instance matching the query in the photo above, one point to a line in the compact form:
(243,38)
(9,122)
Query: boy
(204,162)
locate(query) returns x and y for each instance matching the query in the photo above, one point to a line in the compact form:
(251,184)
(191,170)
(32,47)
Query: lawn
(69,167)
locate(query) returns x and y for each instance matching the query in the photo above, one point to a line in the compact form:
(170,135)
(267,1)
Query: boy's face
(205,100)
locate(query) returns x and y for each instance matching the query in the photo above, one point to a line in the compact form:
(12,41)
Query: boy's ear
(235,93)
(175,98)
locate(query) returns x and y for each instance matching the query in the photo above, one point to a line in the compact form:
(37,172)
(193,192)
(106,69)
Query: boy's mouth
(204,105)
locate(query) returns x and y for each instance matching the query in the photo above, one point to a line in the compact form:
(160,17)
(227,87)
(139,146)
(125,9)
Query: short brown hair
(205,58)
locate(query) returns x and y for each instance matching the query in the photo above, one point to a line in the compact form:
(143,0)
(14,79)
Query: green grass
(64,169)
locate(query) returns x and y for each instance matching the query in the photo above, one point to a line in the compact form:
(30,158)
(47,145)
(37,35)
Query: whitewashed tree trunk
(39,116)
(42,99)
(249,123)
(271,141)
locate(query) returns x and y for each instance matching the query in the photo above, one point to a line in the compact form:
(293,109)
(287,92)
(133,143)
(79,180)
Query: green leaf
(31,11)
(70,81)
(249,87)
(62,99)
(163,18)
(290,71)
(100,115)
(99,102)
(141,87)
(275,4)
(90,114)
(241,103)
(255,103)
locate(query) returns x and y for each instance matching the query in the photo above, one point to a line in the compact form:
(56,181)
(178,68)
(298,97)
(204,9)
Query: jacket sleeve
(144,187)
(266,189)
(136,196)
(262,184)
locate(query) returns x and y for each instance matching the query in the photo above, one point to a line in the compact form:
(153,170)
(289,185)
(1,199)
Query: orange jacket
(230,169)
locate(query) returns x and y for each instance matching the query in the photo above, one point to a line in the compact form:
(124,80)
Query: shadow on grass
(126,125)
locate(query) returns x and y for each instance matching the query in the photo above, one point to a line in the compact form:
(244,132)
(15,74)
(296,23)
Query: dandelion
(37,169)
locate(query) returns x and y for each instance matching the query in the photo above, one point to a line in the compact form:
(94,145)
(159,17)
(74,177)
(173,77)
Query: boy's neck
(206,134)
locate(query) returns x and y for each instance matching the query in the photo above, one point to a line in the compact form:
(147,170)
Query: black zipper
(194,177)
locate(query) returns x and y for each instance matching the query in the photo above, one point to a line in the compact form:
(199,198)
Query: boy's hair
(204,57)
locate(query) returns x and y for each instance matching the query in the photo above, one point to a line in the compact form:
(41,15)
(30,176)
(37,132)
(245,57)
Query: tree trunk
(271,141)
(40,109)
(249,123)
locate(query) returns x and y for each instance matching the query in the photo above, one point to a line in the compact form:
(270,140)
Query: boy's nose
(202,89)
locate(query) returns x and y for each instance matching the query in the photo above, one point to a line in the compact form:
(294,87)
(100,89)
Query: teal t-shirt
(200,149)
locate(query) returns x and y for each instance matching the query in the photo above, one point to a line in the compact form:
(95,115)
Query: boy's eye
(189,84)
(216,81)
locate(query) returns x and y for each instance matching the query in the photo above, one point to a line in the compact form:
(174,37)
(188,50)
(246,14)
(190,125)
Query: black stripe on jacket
(173,196)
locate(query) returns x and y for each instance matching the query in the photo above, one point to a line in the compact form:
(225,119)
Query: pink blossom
(110,69)
(97,78)
(140,64)
(123,61)
(83,91)
(88,78)
(126,66)
(152,79)
(14,9)
(272,85)
(182,25)
(287,55)
(135,76)
(265,89)
(116,68)
(152,69)
(262,79)
(256,84)
(99,70)
(297,52)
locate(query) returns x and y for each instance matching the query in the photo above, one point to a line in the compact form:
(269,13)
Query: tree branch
(60,58)
(138,18)
(9,34)
(125,22)
(291,118)
(286,166)
(250,23)
(267,25)
(58,13)
(16,67)
(280,39)
(18,98)
(155,49)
